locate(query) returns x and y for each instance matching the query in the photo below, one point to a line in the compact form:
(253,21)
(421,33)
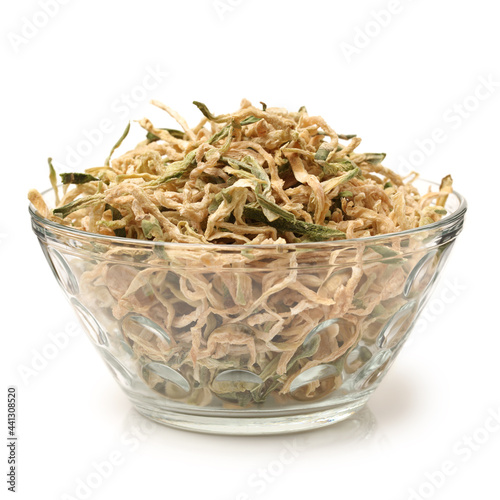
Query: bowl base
(254,425)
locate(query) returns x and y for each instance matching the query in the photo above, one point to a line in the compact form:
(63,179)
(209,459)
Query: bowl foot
(252,425)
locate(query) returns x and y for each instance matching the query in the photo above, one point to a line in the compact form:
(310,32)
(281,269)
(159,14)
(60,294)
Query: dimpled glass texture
(242,339)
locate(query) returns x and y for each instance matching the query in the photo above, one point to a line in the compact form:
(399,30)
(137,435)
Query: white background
(412,87)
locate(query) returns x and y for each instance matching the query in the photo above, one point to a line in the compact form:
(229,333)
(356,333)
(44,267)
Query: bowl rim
(447,220)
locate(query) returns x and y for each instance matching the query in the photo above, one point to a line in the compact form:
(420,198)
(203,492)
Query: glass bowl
(249,339)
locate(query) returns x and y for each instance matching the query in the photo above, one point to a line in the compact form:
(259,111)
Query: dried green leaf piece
(288,222)
(114,211)
(329,169)
(347,165)
(253,167)
(270,379)
(120,232)
(346,194)
(175,169)
(306,351)
(249,120)
(334,168)
(373,158)
(77,178)
(151,228)
(53,180)
(269,376)
(284,167)
(215,203)
(65,210)
(383,250)
(446,187)
(334,182)
(206,112)
(223,132)
(118,144)
(249,168)
(390,256)
(178,134)
(323,151)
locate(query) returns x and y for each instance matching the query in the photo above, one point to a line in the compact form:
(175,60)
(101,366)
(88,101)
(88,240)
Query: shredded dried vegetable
(254,177)
(250,177)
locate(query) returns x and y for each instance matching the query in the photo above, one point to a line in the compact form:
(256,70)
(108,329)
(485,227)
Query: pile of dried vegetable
(256,176)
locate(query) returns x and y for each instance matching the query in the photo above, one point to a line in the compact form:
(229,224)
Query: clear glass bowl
(242,339)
